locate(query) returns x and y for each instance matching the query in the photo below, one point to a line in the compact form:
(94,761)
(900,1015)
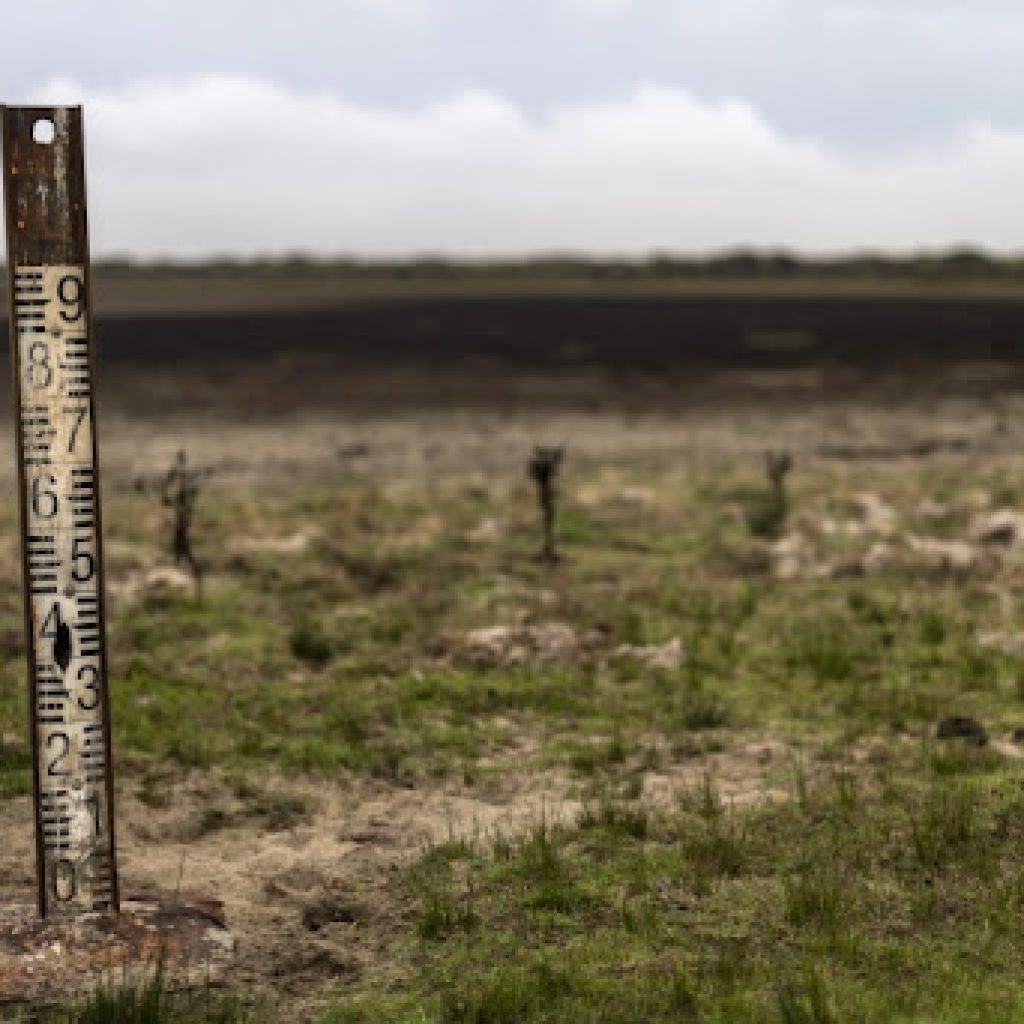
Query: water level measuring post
(52,345)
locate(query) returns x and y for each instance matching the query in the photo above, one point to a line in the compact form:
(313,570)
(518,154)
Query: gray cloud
(856,74)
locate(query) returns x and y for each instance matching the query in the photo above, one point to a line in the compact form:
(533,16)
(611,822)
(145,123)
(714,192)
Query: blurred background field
(272,339)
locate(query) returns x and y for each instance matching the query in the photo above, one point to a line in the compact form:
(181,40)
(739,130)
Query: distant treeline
(958,265)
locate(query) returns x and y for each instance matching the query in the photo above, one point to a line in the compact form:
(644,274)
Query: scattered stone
(947,556)
(607,493)
(1003,528)
(294,544)
(552,640)
(154,587)
(166,583)
(1006,643)
(515,645)
(875,515)
(666,656)
(964,728)
(879,558)
(794,557)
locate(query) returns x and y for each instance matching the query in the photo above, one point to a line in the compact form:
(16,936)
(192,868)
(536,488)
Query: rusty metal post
(52,345)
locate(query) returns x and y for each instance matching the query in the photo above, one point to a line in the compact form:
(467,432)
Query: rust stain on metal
(58,961)
(52,346)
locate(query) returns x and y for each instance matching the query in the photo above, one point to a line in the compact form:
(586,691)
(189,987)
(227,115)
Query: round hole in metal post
(43,131)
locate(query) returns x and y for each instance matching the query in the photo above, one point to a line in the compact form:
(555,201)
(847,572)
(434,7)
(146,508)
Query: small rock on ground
(664,656)
(954,556)
(1004,528)
(514,645)
(962,727)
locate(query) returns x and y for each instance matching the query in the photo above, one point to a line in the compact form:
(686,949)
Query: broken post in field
(543,469)
(53,356)
(777,466)
(179,492)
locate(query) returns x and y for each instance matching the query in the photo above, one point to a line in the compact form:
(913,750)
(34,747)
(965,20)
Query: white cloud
(217,164)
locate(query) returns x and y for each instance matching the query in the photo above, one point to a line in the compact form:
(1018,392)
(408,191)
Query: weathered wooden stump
(46,962)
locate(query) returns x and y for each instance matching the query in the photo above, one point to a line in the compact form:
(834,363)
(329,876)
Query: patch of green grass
(443,914)
(765,510)
(310,641)
(15,770)
(576,526)
(825,648)
(700,711)
(842,906)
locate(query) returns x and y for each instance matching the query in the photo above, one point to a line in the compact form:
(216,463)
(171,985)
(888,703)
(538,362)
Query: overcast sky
(387,127)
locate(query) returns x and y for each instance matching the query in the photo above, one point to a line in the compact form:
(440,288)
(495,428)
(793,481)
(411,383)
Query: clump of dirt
(296,543)
(796,557)
(421,534)
(1011,643)
(747,771)
(1003,528)
(875,516)
(609,492)
(487,531)
(330,907)
(961,727)
(668,655)
(944,557)
(518,645)
(880,557)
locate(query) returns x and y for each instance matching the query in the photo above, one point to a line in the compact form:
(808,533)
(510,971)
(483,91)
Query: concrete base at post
(61,962)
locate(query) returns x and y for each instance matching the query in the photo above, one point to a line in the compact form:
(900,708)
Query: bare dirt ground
(317,903)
